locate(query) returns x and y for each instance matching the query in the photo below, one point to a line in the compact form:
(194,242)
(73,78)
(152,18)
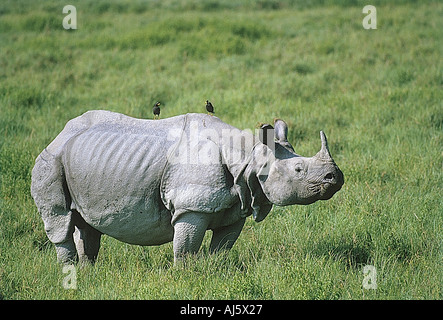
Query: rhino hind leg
(51,195)
(87,240)
(66,252)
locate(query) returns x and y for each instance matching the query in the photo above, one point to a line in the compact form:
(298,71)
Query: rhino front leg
(189,230)
(225,237)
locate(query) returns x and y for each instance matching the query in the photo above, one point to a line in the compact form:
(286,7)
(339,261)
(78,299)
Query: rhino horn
(323,154)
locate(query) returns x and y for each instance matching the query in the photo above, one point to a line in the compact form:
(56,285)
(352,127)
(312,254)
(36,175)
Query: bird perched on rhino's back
(156,110)
(209,107)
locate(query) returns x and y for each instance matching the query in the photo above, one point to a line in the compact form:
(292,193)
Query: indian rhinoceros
(149,182)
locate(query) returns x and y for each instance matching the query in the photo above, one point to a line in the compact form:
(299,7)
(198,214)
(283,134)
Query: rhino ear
(281,130)
(281,134)
(266,134)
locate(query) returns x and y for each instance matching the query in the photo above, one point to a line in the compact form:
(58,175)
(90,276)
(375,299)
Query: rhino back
(113,171)
(80,124)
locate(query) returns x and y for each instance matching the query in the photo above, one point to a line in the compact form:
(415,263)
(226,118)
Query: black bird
(209,107)
(156,110)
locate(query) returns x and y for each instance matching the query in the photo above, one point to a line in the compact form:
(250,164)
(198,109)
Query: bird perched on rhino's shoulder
(156,110)
(209,107)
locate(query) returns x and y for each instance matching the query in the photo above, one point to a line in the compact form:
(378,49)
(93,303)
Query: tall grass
(376,93)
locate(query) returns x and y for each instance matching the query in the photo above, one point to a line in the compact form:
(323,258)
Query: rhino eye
(298,169)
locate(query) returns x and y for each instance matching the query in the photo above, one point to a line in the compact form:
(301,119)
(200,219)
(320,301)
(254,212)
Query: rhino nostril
(329,176)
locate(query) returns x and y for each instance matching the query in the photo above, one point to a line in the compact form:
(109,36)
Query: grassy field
(378,95)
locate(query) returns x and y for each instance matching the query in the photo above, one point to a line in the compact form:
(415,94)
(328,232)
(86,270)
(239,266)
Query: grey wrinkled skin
(150,182)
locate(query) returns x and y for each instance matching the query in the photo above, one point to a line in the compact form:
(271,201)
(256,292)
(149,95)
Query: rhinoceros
(149,182)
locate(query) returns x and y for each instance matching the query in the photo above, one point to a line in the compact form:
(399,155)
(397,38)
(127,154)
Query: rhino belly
(114,179)
(134,225)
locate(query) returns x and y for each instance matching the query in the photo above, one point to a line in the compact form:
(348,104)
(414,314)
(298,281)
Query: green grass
(376,93)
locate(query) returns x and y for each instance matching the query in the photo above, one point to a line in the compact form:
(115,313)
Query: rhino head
(287,178)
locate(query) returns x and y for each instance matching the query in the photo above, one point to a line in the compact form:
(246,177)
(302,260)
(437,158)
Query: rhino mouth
(324,190)
(315,188)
